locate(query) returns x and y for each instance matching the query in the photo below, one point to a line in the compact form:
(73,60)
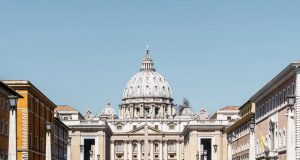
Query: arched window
(156,147)
(134,148)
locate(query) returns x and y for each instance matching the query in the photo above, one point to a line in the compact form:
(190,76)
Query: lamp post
(252,138)
(81,151)
(215,147)
(48,140)
(290,127)
(267,151)
(69,148)
(12,141)
(229,150)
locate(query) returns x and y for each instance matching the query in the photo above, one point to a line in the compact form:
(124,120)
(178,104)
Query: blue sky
(81,53)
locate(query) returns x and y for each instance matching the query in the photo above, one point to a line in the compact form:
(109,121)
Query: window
(276,101)
(1,127)
(119,147)
(36,143)
(6,128)
(280,98)
(134,126)
(156,147)
(171,127)
(171,147)
(66,118)
(293,89)
(228,118)
(156,127)
(30,140)
(284,95)
(134,147)
(273,102)
(119,127)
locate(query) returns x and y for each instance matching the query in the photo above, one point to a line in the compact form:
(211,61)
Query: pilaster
(112,150)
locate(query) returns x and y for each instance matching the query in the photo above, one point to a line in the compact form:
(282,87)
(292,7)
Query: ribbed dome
(147,83)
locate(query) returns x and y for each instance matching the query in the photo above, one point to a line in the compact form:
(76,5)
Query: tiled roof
(233,108)
(64,108)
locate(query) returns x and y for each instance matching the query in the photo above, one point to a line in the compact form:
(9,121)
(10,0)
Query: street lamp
(229,138)
(48,127)
(69,140)
(197,155)
(81,148)
(252,125)
(12,140)
(48,141)
(215,147)
(267,151)
(13,101)
(290,100)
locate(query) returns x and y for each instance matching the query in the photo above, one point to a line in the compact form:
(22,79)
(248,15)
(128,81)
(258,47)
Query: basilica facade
(149,125)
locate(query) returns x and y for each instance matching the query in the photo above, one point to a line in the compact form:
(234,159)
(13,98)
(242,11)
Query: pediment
(119,124)
(141,130)
(171,123)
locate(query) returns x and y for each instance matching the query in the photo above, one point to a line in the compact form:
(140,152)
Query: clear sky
(81,53)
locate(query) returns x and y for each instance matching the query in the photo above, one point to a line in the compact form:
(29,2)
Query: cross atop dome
(147,64)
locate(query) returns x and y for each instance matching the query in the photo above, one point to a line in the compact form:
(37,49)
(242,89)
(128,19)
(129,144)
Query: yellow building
(240,136)
(32,113)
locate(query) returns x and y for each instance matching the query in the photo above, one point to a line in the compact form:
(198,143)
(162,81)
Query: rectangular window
(171,127)
(30,141)
(280,102)
(119,147)
(119,127)
(156,127)
(1,127)
(293,89)
(134,126)
(284,96)
(6,128)
(171,147)
(36,143)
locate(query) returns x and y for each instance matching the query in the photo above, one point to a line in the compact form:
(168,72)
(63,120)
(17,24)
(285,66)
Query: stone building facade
(33,111)
(277,130)
(5,92)
(61,134)
(239,135)
(149,126)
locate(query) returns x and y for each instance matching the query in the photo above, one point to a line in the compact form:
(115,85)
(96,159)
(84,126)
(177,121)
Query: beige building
(277,124)
(149,126)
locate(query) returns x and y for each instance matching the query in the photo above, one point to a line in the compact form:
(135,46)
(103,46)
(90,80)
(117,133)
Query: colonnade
(130,153)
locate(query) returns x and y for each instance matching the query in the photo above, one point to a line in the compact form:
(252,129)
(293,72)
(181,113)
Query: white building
(149,127)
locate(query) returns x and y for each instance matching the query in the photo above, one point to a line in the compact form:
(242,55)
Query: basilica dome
(108,112)
(147,83)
